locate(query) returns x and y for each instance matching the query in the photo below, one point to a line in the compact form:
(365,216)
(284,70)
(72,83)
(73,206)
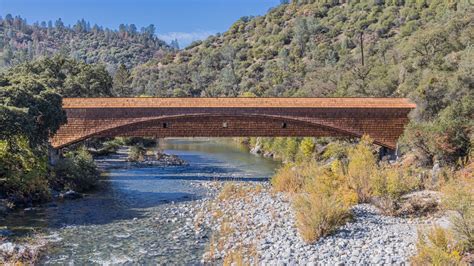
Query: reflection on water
(125,221)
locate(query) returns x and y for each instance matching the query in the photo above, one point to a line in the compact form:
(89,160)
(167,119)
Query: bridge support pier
(389,154)
(53,156)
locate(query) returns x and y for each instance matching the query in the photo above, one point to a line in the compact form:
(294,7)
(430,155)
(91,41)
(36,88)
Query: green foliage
(23,42)
(77,171)
(23,174)
(67,77)
(446,138)
(137,153)
(121,82)
(30,111)
(336,150)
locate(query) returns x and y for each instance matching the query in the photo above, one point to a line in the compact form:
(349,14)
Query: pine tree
(121,82)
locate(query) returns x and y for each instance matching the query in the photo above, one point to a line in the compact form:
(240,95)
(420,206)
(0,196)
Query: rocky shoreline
(260,228)
(29,249)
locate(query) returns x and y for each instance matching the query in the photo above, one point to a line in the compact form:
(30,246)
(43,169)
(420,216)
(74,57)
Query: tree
(121,82)
(174,44)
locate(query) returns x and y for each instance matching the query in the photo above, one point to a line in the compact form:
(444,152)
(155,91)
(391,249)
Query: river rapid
(141,214)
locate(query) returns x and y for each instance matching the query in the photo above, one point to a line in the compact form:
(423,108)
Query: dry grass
(436,247)
(231,191)
(458,196)
(451,246)
(393,182)
(318,215)
(291,178)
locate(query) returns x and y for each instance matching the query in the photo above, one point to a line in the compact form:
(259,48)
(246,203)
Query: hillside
(416,49)
(22,42)
(312,49)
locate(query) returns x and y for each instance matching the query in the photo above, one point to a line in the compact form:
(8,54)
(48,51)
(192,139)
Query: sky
(185,20)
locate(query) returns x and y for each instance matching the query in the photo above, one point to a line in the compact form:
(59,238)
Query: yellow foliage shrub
(392,182)
(288,179)
(436,247)
(318,214)
(361,168)
(331,181)
(335,150)
(458,196)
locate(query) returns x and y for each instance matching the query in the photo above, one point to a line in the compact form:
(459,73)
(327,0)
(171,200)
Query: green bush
(23,173)
(77,171)
(137,153)
(393,182)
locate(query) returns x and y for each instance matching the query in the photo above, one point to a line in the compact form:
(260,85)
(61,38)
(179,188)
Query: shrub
(137,153)
(23,173)
(436,247)
(393,182)
(306,147)
(336,150)
(330,181)
(318,214)
(77,171)
(291,178)
(361,168)
(108,147)
(458,196)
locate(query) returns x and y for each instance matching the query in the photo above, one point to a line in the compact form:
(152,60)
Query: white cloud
(185,38)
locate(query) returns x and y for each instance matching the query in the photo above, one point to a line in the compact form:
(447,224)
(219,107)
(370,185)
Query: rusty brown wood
(381,118)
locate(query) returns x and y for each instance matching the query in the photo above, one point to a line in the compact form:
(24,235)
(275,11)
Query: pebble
(268,222)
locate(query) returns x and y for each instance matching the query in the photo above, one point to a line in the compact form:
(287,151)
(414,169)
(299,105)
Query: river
(140,214)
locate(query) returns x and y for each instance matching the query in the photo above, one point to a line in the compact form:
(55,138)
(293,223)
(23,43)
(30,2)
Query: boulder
(70,195)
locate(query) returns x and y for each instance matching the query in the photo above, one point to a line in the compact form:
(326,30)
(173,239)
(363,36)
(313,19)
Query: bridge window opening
(165,125)
(283,125)
(224,125)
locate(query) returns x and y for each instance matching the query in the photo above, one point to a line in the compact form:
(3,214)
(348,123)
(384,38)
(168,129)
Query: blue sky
(186,20)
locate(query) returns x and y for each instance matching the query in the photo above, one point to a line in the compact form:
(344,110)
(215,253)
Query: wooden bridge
(381,118)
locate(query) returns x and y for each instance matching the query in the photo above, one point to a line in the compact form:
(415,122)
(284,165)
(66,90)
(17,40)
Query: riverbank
(142,214)
(23,244)
(259,227)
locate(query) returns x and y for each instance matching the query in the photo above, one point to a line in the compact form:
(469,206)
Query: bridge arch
(382,119)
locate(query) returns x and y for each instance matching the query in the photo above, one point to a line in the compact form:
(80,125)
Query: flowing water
(128,220)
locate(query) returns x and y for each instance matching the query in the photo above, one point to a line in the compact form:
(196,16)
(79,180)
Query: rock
(70,195)
(256,150)
(435,171)
(268,223)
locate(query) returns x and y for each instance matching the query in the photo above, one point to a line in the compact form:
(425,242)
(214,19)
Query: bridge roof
(74,103)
